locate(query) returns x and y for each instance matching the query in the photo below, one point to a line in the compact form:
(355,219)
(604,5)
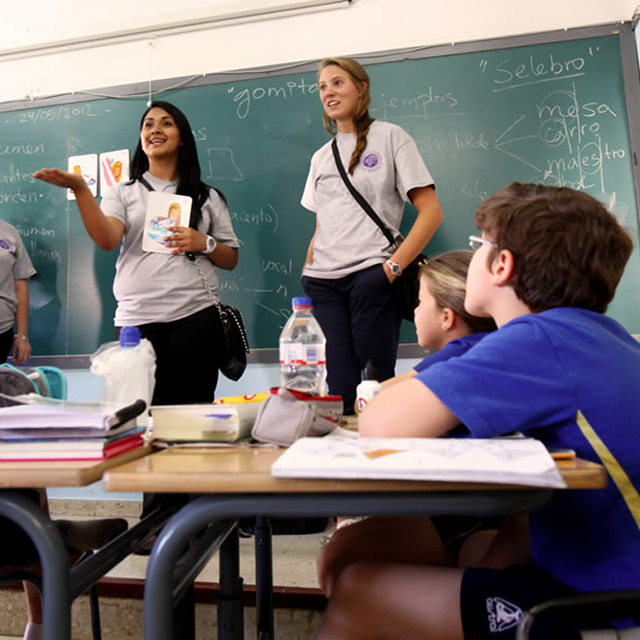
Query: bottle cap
(129,336)
(301,302)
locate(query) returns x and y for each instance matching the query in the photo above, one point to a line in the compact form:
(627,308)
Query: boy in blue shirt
(547,264)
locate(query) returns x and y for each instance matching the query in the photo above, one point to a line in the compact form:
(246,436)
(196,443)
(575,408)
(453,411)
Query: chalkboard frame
(629,67)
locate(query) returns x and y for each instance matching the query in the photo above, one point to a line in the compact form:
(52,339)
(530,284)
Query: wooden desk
(238,483)
(61,584)
(248,469)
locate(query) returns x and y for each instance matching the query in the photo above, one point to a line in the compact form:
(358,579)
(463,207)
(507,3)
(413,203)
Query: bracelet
(21,335)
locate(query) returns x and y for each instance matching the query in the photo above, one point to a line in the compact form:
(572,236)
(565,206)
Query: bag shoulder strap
(358,196)
(145,182)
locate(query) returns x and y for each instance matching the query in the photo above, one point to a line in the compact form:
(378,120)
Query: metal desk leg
(264,579)
(166,552)
(56,582)
(230,605)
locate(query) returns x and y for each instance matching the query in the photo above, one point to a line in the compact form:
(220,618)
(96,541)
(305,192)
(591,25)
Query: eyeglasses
(475,242)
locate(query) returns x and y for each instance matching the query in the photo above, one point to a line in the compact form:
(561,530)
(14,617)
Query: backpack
(44,381)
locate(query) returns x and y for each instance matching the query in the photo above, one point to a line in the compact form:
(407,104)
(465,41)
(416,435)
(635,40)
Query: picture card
(87,167)
(114,168)
(164,210)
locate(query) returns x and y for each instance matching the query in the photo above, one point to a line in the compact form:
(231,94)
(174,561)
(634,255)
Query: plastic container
(368,388)
(303,365)
(129,369)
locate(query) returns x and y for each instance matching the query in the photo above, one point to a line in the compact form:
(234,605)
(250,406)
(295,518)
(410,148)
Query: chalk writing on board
(63,112)
(16,175)
(511,73)
(281,313)
(43,254)
(285,268)
(18,197)
(426,103)
(268,217)
(21,149)
(222,165)
(474,191)
(25,232)
(244,97)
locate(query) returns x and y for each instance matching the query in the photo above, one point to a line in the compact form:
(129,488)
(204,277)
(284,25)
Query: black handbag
(235,345)
(407,285)
(233,359)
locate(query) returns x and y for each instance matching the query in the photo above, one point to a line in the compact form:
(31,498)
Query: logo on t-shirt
(371,161)
(503,614)
(4,245)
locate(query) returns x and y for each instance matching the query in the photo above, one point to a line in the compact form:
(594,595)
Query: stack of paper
(39,432)
(522,461)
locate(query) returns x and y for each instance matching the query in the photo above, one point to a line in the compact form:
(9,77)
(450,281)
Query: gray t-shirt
(161,287)
(15,264)
(347,239)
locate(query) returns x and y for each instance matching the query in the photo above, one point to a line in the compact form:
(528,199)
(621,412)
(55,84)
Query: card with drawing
(86,166)
(114,168)
(164,210)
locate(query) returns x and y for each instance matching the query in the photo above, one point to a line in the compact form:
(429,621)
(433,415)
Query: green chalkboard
(543,111)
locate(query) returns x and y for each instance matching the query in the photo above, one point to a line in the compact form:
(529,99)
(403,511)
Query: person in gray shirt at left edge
(15,268)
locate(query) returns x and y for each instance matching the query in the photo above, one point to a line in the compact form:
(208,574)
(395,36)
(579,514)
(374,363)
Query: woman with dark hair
(164,294)
(350,266)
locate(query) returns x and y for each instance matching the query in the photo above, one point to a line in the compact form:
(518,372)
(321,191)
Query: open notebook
(522,461)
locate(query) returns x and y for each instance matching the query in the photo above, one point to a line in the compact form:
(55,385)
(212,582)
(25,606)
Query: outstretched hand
(60,178)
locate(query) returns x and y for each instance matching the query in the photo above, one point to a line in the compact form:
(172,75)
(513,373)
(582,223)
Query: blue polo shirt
(570,378)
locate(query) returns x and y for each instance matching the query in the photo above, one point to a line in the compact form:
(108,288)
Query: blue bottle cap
(129,336)
(301,302)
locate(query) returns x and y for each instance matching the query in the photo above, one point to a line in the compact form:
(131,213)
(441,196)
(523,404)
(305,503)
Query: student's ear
(503,268)
(448,319)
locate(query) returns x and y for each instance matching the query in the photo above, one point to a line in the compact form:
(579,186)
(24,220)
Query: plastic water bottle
(129,370)
(303,365)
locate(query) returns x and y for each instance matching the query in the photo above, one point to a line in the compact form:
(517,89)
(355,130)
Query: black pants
(186,371)
(6,342)
(186,357)
(360,321)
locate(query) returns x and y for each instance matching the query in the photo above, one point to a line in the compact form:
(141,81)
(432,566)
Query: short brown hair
(446,278)
(568,249)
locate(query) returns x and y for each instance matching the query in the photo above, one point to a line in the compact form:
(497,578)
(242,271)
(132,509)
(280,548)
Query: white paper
(164,210)
(522,461)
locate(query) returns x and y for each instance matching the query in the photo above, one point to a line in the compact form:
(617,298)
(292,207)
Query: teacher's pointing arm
(105,231)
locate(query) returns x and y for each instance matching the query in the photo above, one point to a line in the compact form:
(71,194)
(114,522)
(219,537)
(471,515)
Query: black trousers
(186,371)
(360,321)
(6,342)
(186,357)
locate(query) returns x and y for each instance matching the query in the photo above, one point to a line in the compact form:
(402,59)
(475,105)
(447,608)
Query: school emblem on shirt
(5,245)
(502,614)
(371,161)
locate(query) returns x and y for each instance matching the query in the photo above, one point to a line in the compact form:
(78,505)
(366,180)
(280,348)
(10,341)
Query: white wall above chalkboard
(52,25)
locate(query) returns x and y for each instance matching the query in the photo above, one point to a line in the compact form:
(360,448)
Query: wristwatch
(211,245)
(396,269)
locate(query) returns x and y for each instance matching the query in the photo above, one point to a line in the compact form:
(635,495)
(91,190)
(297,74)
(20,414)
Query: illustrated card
(164,210)
(114,168)
(87,167)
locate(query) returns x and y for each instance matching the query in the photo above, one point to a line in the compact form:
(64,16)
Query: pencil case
(283,417)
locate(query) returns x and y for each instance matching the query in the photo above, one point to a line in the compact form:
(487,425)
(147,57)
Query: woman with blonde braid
(350,266)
